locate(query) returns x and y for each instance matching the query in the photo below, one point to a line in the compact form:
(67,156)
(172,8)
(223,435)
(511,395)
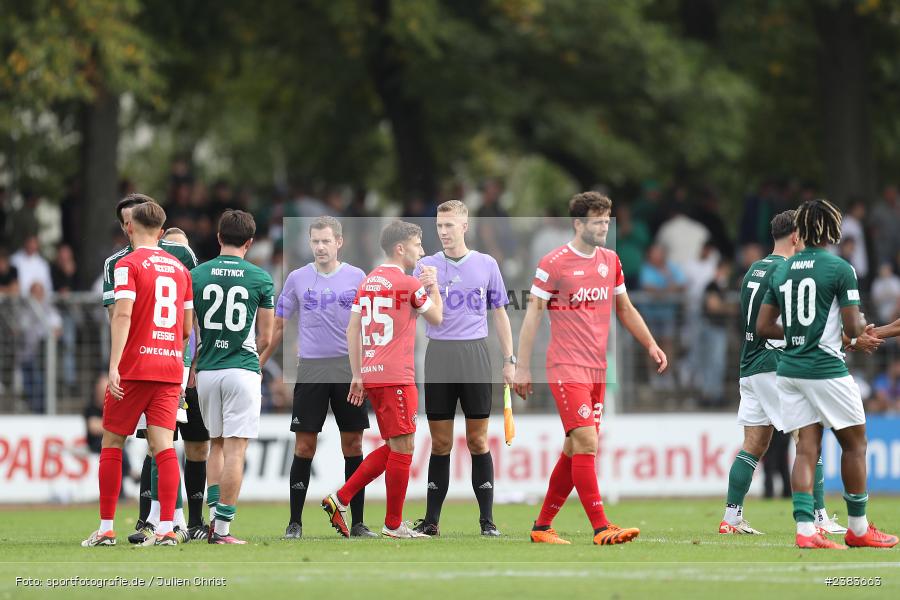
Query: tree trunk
(844,89)
(99,149)
(415,159)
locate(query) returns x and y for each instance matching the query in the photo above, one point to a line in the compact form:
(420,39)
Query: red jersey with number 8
(160,287)
(389,300)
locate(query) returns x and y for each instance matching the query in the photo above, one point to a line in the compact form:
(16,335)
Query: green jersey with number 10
(811,288)
(227,292)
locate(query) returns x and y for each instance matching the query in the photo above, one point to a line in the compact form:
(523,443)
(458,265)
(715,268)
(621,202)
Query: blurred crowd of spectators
(681,259)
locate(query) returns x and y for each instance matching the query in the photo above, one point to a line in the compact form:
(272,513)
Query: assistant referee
(458,366)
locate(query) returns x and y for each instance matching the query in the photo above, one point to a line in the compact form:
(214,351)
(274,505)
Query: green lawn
(679,554)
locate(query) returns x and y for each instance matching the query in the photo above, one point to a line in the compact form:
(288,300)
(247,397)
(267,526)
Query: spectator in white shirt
(852,227)
(32,267)
(886,293)
(682,238)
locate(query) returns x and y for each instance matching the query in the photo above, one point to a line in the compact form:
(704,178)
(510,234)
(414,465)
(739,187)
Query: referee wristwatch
(510,359)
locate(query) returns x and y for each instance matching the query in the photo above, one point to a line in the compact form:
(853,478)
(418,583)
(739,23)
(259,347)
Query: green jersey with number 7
(811,288)
(758,355)
(227,292)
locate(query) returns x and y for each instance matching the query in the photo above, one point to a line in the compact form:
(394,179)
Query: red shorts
(159,401)
(395,409)
(579,393)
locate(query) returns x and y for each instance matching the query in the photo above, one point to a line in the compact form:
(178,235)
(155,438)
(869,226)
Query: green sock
(740,477)
(803,507)
(154,480)
(212,496)
(224,517)
(819,486)
(225,512)
(856,504)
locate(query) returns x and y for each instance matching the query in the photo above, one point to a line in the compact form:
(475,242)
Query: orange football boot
(818,541)
(872,539)
(613,534)
(547,536)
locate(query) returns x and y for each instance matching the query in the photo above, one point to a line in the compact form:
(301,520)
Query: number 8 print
(166,297)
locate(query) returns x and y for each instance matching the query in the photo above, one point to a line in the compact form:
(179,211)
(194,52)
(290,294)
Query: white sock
(222,526)
(734,515)
(107,525)
(858,525)
(806,529)
(179,518)
(153,517)
(164,527)
(821,516)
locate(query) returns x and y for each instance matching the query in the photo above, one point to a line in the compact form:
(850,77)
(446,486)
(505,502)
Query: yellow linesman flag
(509,425)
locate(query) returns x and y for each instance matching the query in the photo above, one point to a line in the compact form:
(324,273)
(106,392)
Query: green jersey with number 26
(811,288)
(227,292)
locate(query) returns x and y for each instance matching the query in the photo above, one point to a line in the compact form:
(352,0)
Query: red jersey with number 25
(389,301)
(161,289)
(579,290)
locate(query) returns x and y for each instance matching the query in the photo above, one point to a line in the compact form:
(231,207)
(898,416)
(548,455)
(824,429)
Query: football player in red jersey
(150,326)
(381,339)
(579,284)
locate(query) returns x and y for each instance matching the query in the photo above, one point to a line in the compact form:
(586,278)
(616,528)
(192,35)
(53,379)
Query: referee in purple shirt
(458,366)
(320,296)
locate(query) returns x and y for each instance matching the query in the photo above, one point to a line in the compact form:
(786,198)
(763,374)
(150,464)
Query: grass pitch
(679,554)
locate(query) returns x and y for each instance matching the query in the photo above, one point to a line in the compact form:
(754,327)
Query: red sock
(368,470)
(584,474)
(396,480)
(557,491)
(168,482)
(110,476)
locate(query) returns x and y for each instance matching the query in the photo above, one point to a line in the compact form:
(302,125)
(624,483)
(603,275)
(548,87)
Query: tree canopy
(403,96)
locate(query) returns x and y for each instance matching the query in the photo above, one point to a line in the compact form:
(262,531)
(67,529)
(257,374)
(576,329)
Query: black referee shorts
(194,430)
(320,382)
(457,370)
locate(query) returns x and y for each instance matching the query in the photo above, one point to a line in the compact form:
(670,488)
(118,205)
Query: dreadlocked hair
(819,222)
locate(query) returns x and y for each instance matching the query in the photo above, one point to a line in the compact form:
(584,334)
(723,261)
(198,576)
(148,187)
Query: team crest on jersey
(584,411)
(146,264)
(603,270)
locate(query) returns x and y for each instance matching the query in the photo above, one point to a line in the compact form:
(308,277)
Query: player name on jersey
(219,272)
(803,264)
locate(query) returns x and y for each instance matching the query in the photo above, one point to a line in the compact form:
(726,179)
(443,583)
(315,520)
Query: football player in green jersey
(235,308)
(760,410)
(816,294)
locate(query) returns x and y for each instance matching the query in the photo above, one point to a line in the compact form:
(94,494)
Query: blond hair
(455,207)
